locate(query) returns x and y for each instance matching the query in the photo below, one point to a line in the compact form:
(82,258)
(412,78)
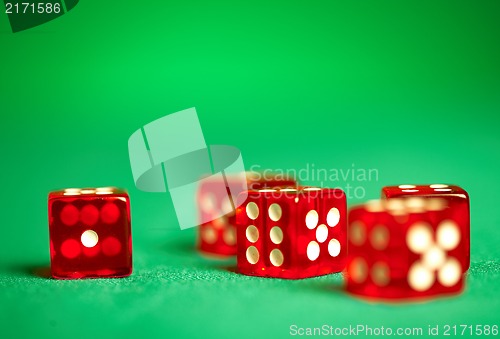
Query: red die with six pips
(291,233)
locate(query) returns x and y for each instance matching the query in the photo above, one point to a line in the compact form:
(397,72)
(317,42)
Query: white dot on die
(357,233)
(252,255)
(104,190)
(438,186)
(395,205)
(407,186)
(220,223)
(313,250)
(276,235)
(333,217)
(274,212)
(434,258)
(334,247)
(448,235)
(321,233)
(89,238)
(252,210)
(252,234)
(380,273)
(420,278)
(375,206)
(358,270)
(312,219)
(208,203)
(450,273)
(276,257)
(72,191)
(436,204)
(208,234)
(227,205)
(379,237)
(229,236)
(416,205)
(419,237)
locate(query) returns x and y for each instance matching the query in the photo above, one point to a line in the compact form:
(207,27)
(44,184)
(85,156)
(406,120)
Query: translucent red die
(292,233)
(457,209)
(217,237)
(405,248)
(90,233)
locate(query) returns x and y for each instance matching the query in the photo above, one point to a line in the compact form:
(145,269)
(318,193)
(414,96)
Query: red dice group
(90,234)
(413,243)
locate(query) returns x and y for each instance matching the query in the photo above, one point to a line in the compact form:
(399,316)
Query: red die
(405,248)
(290,233)
(90,233)
(218,236)
(458,207)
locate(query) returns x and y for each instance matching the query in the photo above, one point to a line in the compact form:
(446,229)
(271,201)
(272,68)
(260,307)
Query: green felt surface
(407,88)
(176,293)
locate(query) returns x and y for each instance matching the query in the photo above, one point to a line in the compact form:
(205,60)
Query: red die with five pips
(457,207)
(414,243)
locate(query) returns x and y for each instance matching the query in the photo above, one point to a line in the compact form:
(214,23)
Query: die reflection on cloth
(457,206)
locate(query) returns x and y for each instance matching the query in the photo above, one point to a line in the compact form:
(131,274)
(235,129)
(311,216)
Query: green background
(411,88)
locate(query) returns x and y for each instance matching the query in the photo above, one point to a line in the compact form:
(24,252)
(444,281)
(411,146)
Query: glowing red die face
(90,233)
(405,248)
(292,233)
(457,209)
